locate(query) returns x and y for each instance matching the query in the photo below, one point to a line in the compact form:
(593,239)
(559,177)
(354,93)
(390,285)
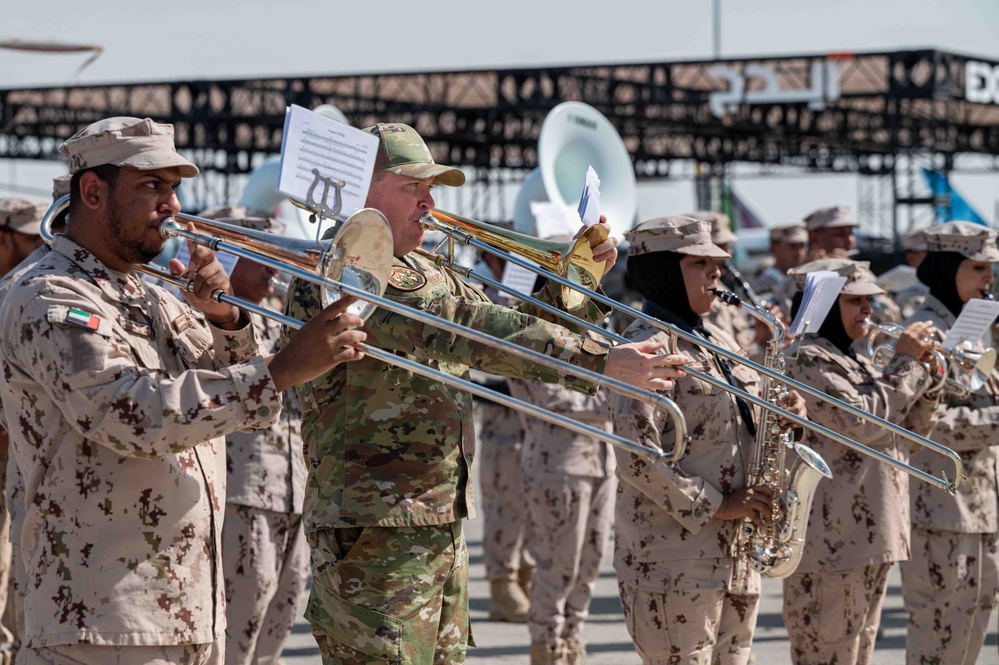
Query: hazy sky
(223,39)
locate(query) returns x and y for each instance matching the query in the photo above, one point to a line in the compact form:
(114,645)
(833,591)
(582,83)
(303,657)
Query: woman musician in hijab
(859,520)
(949,583)
(688,592)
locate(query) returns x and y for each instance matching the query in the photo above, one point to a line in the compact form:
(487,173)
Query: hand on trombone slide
(326,340)
(641,365)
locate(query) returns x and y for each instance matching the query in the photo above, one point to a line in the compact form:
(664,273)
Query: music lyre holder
(319,209)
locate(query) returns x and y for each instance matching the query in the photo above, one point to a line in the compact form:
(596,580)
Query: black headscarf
(832,327)
(659,278)
(939,272)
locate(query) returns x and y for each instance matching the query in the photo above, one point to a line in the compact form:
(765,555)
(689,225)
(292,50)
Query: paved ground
(608,639)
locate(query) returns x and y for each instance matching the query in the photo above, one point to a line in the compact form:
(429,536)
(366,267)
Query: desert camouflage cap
(683,235)
(970,240)
(258,220)
(60,186)
(831,217)
(914,241)
(122,141)
(22,215)
(721,225)
(860,281)
(401,150)
(789,233)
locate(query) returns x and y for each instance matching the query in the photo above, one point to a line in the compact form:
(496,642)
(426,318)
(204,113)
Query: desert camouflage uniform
(738,325)
(949,584)
(120,408)
(389,456)
(264,553)
(859,521)
(911,299)
(505,517)
(885,309)
(12,508)
(688,594)
(767,281)
(569,482)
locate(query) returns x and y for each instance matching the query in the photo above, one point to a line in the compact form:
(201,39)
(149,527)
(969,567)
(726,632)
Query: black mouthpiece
(727,297)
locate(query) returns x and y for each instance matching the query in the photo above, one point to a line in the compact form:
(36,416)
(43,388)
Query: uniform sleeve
(688,499)
(400,333)
(963,428)
(889,397)
(590,409)
(132,407)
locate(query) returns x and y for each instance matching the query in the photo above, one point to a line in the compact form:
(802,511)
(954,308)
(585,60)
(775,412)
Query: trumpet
(959,371)
(357,263)
(469,234)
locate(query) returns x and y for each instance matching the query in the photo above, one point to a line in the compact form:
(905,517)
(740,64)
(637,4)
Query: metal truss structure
(879,115)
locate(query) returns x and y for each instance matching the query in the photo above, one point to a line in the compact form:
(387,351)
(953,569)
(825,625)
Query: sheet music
(553,219)
(975,319)
(822,288)
(518,278)
(589,204)
(338,151)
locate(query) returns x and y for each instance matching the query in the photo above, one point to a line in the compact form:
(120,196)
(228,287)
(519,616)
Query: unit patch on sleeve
(406,279)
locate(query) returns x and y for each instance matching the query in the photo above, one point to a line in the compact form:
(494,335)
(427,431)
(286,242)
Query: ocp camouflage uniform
(949,584)
(687,592)
(389,456)
(121,395)
(569,485)
(859,520)
(264,553)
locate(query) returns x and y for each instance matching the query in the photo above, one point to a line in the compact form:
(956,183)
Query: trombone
(357,263)
(960,371)
(559,270)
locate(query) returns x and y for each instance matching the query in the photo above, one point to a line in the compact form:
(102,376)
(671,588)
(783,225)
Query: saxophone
(775,550)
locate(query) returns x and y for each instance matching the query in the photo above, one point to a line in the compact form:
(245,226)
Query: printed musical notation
(337,151)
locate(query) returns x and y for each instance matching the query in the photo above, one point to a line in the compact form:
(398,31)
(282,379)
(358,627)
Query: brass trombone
(357,263)
(959,371)
(555,269)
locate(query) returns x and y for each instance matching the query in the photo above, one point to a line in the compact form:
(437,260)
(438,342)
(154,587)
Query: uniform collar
(115,285)
(939,309)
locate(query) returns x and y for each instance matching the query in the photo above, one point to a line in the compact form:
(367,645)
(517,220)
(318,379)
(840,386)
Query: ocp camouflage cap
(970,240)
(721,225)
(789,233)
(22,215)
(257,220)
(828,218)
(401,150)
(860,281)
(123,141)
(683,235)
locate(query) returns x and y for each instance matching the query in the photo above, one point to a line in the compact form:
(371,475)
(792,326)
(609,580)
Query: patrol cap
(122,141)
(828,218)
(914,241)
(970,240)
(401,150)
(860,280)
(789,233)
(683,235)
(60,186)
(22,215)
(258,220)
(721,225)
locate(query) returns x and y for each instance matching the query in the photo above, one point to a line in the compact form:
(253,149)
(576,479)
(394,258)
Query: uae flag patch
(83,319)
